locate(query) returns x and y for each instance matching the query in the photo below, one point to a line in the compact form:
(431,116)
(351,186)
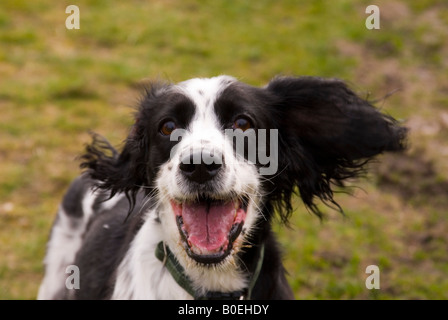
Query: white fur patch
(141,276)
(66,240)
(240,177)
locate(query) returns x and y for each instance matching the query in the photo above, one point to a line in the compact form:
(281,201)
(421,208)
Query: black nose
(198,169)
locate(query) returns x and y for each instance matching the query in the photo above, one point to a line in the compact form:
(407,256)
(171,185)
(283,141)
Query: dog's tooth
(235,210)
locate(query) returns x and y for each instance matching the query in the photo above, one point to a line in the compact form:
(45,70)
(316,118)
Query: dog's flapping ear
(327,134)
(117,172)
(126,171)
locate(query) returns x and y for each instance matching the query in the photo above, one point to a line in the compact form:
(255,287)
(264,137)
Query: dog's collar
(164,254)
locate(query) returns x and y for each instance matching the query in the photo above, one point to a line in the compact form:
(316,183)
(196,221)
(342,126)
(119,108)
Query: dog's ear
(326,135)
(118,172)
(126,171)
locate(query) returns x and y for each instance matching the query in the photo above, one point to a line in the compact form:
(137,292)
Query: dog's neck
(141,275)
(164,254)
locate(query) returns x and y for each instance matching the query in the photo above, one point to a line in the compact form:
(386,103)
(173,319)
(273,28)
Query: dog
(184,210)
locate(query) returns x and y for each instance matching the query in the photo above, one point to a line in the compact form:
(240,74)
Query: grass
(57,84)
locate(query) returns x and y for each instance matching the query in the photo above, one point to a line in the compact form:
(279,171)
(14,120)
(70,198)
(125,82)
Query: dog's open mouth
(209,227)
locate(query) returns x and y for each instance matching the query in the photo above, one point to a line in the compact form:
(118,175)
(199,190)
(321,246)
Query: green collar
(164,254)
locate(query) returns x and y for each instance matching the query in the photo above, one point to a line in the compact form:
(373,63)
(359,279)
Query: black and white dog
(185,209)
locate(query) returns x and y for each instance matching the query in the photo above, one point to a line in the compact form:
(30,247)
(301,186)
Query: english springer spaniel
(185,209)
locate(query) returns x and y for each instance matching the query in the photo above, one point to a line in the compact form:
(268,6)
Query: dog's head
(216,152)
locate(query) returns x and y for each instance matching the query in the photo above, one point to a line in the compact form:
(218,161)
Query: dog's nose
(199,169)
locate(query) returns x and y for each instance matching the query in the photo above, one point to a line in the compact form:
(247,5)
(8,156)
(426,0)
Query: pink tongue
(208,230)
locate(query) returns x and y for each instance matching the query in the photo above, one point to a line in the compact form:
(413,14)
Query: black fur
(327,135)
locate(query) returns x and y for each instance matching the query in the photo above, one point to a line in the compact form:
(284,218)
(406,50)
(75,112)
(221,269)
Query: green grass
(57,84)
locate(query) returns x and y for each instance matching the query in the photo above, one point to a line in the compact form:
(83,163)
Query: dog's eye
(242,123)
(168,127)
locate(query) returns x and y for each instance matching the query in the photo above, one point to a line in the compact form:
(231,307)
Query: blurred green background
(57,84)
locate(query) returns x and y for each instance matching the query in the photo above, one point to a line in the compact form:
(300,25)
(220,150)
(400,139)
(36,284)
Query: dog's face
(209,192)
(200,147)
